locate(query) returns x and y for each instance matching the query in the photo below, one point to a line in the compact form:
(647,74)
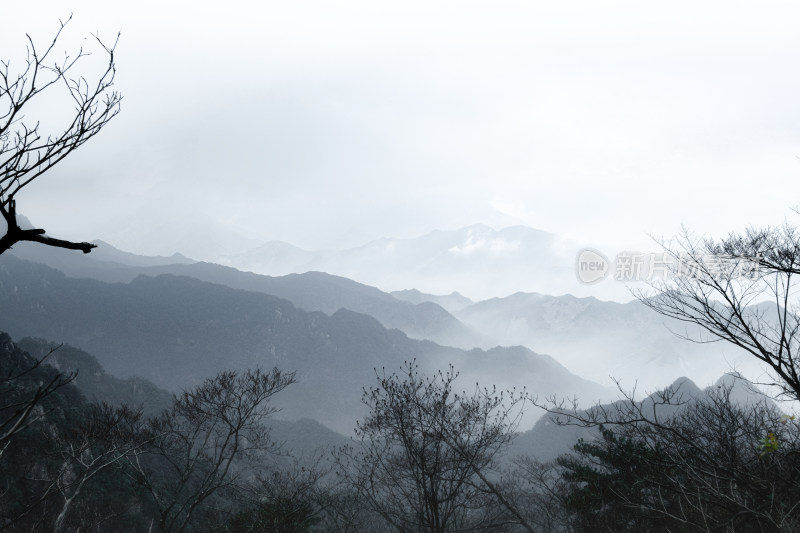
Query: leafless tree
(23,387)
(26,151)
(61,444)
(348,511)
(710,464)
(196,443)
(741,290)
(537,490)
(427,455)
(286,498)
(106,436)
(27,389)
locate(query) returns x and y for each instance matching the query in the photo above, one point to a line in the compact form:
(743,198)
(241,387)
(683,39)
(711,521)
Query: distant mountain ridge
(176,330)
(547,439)
(602,339)
(452,302)
(311,291)
(478,259)
(107,253)
(594,338)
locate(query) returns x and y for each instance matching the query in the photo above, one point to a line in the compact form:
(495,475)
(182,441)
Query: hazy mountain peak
(453,302)
(108,252)
(729,379)
(525,230)
(741,390)
(487,244)
(684,388)
(683,383)
(484,228)
(473,229)
(475,260)
(22,221)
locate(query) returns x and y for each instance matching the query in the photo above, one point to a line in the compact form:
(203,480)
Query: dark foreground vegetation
(428,457)
(88,452)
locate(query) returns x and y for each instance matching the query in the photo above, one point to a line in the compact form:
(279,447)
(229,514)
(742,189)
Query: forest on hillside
(427,457)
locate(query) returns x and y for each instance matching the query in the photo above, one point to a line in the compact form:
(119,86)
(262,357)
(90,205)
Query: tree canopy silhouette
(26,150)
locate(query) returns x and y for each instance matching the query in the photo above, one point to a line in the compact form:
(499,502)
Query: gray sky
(330,124)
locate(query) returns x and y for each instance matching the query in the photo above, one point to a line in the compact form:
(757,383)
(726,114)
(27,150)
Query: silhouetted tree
(104,436)
(24,383)
(27,152)
(741,290)
(537,490)
(59,448)
(685,464)
(291,499)
(672,463)
(427,455)
(32,395)
(196,443)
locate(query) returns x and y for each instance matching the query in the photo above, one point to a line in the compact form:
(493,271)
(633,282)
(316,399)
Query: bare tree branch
(26,152)
(198,440)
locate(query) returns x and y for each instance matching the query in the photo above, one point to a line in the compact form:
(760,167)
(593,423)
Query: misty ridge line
(593,338)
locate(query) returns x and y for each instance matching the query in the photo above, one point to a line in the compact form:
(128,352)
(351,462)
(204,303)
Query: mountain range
(304,437)
(596,339)
(545,441)
(551,437)
(311,291)
(453,302)
(176,330)
(604,340)
(477,260)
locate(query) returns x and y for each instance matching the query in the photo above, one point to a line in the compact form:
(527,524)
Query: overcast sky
(328,124)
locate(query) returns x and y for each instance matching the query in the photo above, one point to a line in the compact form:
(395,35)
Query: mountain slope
(176,330)
(627,341)
(547,439)
(311,291)
(298,437)
(453,302)
(92,379)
